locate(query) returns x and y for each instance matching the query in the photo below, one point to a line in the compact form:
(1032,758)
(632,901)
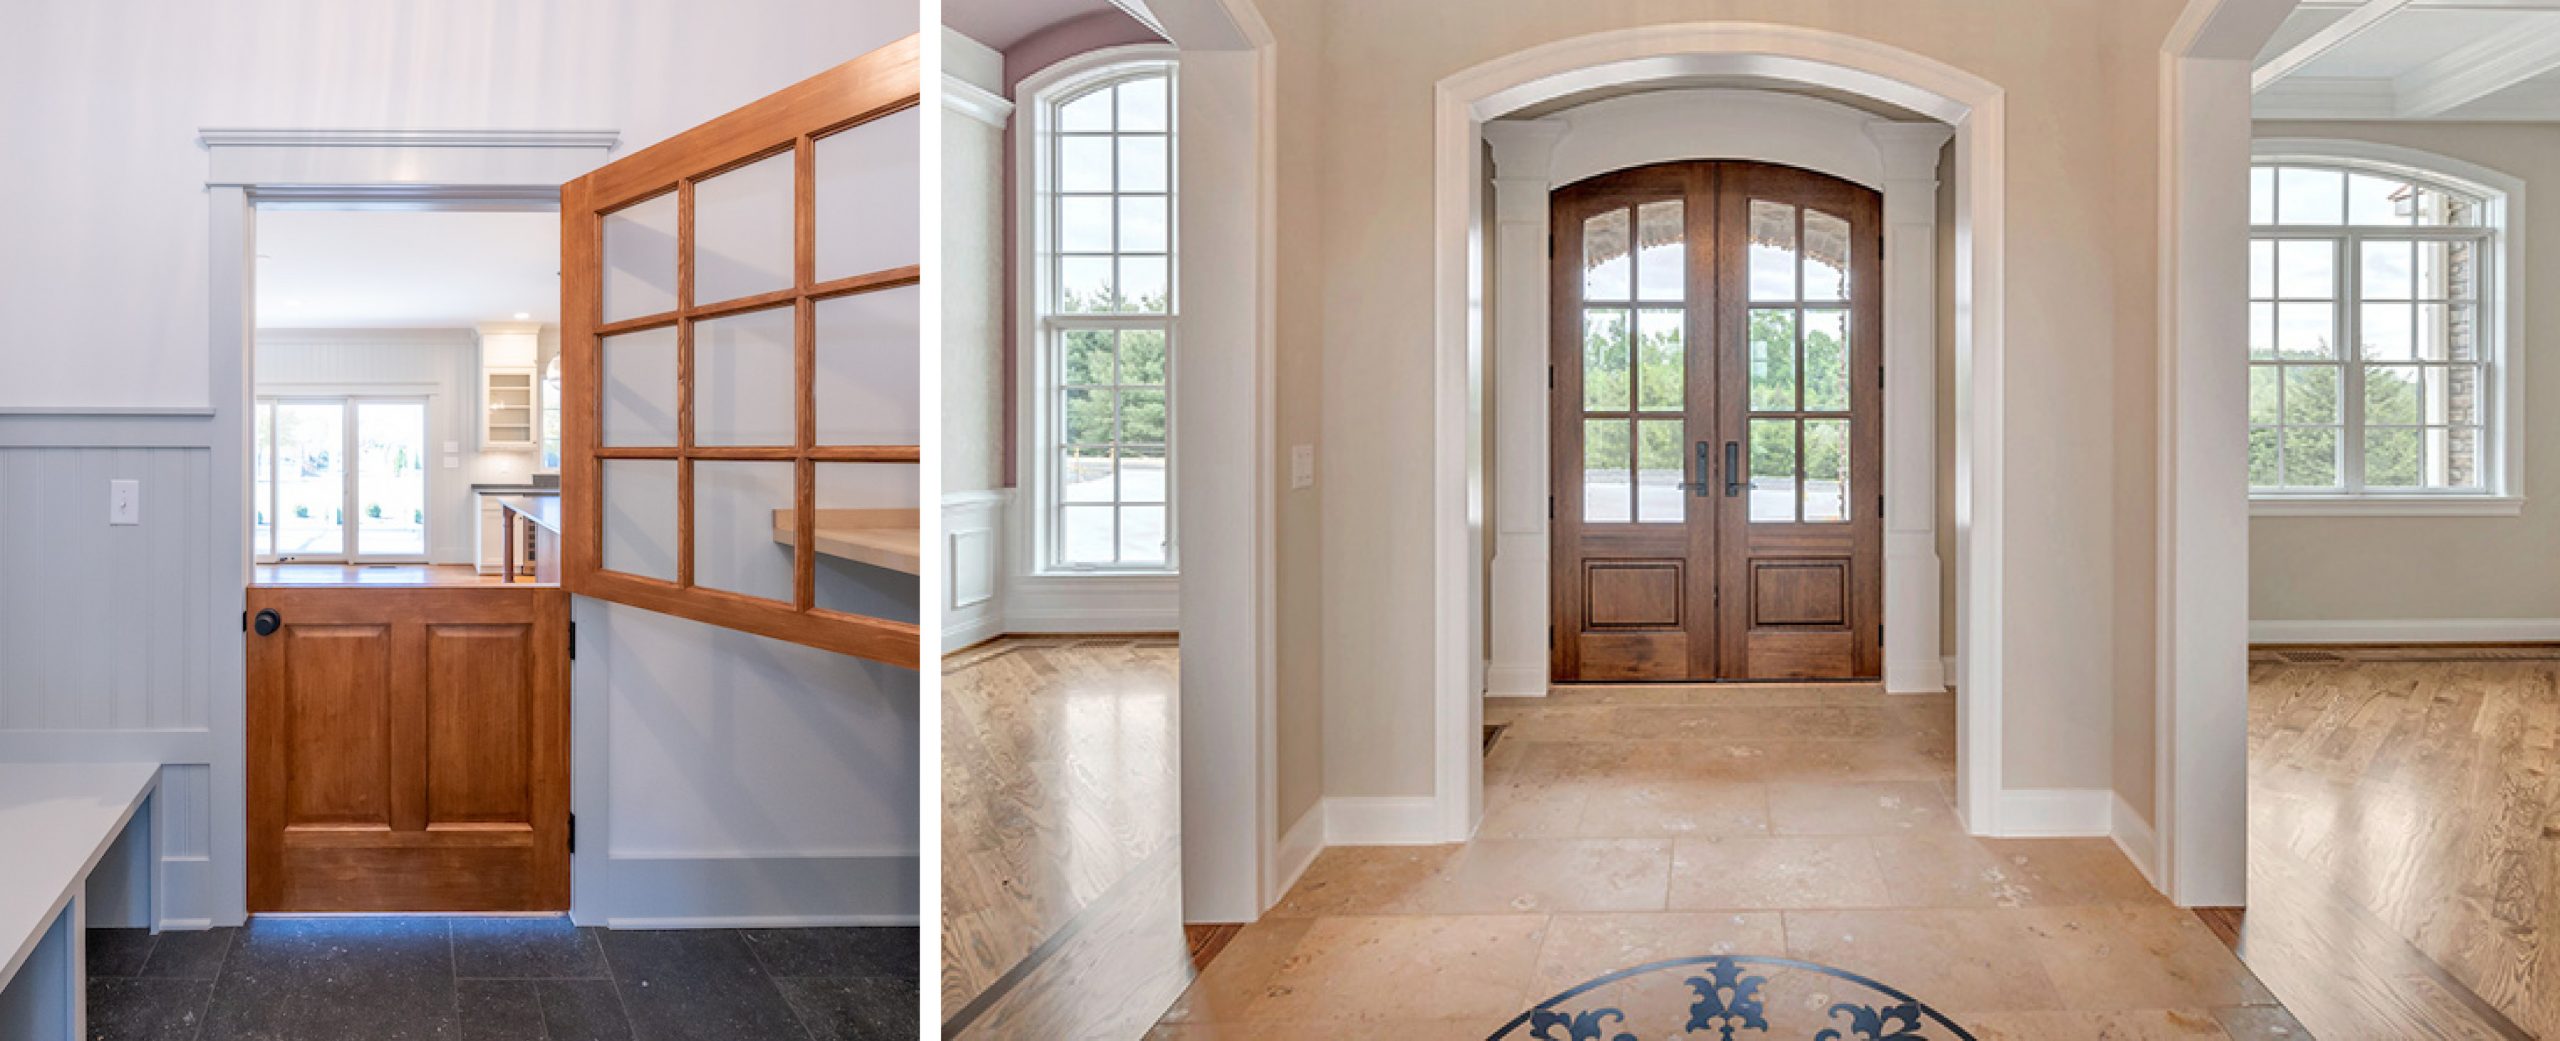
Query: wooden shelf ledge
(880,538)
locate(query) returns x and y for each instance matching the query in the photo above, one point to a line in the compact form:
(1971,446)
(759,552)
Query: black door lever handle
(1733,482)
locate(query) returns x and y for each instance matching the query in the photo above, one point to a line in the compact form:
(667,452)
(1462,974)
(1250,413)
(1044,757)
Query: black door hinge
(573,641)
(1879,633)
(244,621)
(1551,507)
(1879,506)
(1551,377)
(573,833)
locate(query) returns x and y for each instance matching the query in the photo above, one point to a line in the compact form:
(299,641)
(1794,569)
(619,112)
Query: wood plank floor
(2405,840)
(1061,882)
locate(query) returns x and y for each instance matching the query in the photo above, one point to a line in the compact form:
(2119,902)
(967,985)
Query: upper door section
(740,321)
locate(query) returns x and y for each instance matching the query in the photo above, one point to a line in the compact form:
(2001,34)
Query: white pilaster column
(1910,153)
(1523,155)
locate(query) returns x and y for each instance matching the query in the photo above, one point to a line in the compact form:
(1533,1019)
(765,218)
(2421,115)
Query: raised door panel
(480,703)
(337,713)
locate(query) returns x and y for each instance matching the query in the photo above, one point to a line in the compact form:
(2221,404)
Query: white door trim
(1465,100)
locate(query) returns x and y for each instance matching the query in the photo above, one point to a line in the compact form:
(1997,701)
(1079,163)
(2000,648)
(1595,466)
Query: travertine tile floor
(1627,825)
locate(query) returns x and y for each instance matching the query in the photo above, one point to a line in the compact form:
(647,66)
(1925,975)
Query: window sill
(1070,574)
(2386,506)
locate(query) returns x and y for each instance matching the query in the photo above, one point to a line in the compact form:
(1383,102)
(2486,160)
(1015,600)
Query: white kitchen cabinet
(510,387)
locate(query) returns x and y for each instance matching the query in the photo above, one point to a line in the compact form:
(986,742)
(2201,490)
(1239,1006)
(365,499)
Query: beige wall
(1299,367)
(2441,567)
(972,276)
(1355,294)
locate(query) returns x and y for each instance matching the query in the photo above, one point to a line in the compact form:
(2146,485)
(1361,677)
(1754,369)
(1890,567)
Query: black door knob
(269,621)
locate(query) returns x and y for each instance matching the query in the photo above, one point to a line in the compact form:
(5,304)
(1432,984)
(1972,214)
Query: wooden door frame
(246,169)
(1467,100)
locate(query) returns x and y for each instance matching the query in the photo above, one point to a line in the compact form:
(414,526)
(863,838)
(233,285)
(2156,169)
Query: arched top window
(2380,333)
(1101,299)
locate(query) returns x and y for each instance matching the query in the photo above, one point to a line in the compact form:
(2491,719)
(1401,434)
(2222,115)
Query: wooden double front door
(1717,426)
(409,749)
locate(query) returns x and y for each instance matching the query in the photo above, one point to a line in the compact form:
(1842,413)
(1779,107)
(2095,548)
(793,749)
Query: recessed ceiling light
(523,315)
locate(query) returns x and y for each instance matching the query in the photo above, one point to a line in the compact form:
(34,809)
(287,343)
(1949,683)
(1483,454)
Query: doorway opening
(1705,304)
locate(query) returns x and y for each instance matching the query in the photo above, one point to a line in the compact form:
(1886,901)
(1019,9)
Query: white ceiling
(406,269)
(2414,59)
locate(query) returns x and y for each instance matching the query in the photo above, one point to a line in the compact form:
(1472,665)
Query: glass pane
(2461,390)
(1142,224)
(742,231)
(2392,458)
(2386,271)
(1142,356)
(1085,534)
(2304,330)
(1144,287)
(1607,495)
(1661,459)
(870,347)
(1143,105)
(1142,417)
(2262,269)
(639,407)
(1662,356)
(2448,271)
(1605,379)
(1826,361)
(1773,359)
(867,522)
(1773,469)
(640,259)
(865,193)
(1088,358)
(2448,332)
(1084,224)
(2265,457)
(391,478)
(1086,418)
(1773,251)
(2310,394)
(2385,330)
(1143,166)
(2311,457)
(1142,535)
(1086,474)
(2265,402)
(1143,477)
(2306,269)
(262,529)
(1826,256)
(2310,196)
(2262,330)
(744,381)
(1084,285)
(1084,163)
(2378,200)
(1826,470)
(640,517)
(1607,271)
(311,478)
(1662,236)
(2262,195)
(737,506)
(1089,112)
(2391,394)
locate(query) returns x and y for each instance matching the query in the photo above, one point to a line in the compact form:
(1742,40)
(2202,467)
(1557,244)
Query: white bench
(77,847)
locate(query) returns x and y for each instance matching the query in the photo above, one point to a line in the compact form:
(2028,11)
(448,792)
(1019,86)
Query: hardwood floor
(2405,839)
(1061,881)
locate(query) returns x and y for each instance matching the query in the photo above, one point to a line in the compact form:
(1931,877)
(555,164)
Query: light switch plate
(124,501)
(1302,466)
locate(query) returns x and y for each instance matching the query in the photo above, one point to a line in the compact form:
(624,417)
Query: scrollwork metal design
(1734,1000)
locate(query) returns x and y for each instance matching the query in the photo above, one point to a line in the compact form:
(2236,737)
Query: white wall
(108,250)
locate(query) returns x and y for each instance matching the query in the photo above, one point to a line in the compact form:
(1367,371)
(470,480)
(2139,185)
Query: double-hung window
(1103,304)
(2378,347)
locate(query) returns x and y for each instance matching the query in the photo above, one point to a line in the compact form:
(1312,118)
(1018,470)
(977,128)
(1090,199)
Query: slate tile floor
(499,979)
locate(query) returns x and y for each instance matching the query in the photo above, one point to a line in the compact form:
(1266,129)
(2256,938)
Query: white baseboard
(2135,837)
(1921,676)
(1298,848)
(1515,681)
(1382,820)
(2405,630)
(2056,813)
(964,633)
(733,892)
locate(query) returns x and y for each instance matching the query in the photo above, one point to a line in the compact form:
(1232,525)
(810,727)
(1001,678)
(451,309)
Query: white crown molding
(231,137)
(976,102)
(2475,72)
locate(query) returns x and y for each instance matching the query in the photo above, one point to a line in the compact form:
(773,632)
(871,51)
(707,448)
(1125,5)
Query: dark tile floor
(499,979)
